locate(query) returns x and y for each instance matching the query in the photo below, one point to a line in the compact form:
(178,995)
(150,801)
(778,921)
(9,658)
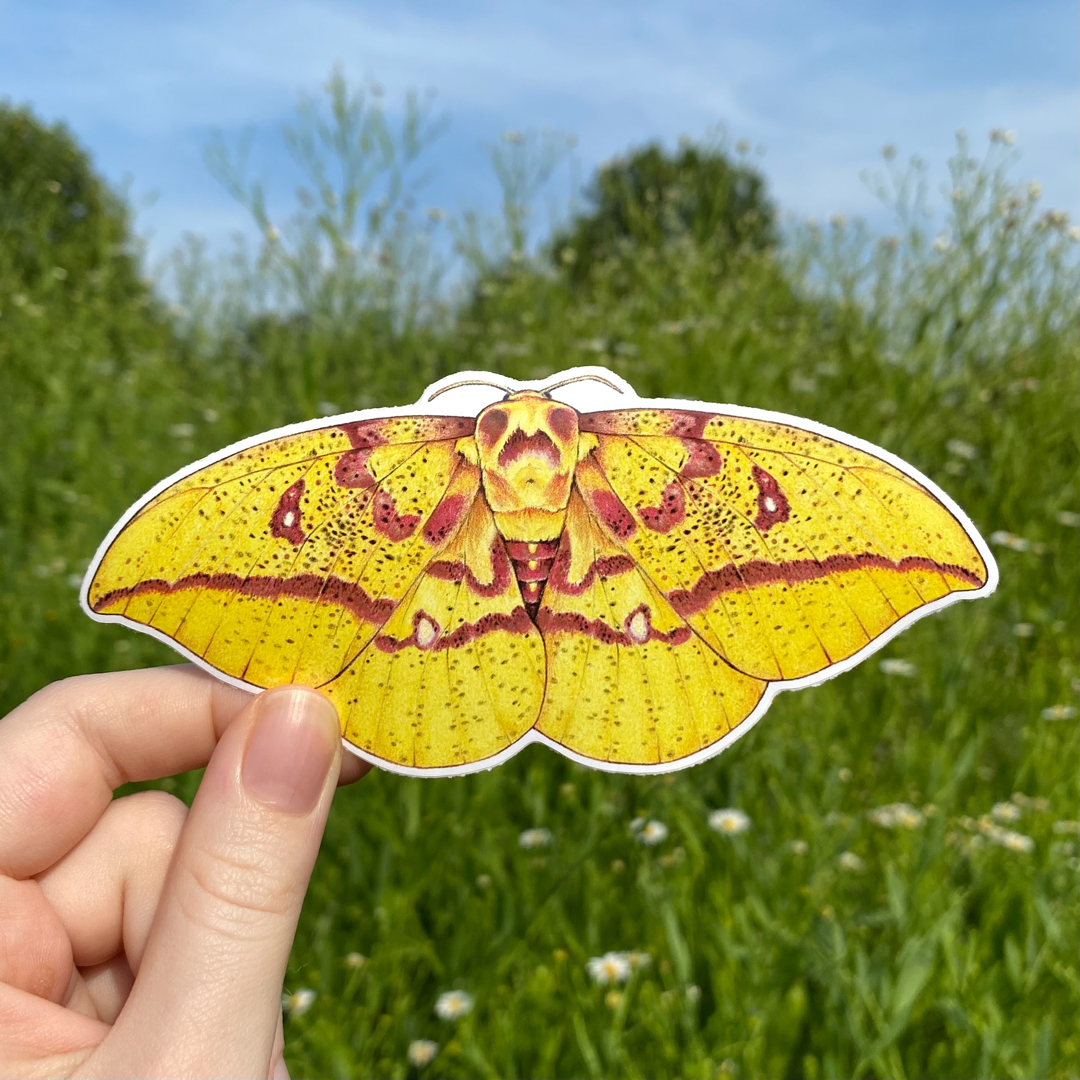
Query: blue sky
(820,86)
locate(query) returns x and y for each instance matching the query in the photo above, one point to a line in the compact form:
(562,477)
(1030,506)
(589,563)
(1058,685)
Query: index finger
(64,750)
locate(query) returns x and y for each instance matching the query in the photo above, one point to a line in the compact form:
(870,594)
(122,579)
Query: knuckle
(238,891)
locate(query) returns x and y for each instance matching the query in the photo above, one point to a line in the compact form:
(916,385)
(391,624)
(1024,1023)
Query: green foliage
(651,198)
(938,950)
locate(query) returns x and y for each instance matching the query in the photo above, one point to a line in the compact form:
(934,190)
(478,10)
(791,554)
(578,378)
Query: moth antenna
(469,382)
(585,378)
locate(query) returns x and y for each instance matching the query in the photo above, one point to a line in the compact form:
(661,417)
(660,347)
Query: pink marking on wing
(759,572)
(389,522)
(687,424)
(670,512)
(550,622)
(285,520)
(456,570)
(514,622)
(703,460)
(612,513)
(444,519)
(604,567)
(772,503)
(331,590)
(365,434)
(351,470)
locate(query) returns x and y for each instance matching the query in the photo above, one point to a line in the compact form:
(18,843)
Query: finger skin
(65,750)
(207,998)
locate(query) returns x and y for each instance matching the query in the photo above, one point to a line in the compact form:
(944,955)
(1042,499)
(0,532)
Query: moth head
(528,447)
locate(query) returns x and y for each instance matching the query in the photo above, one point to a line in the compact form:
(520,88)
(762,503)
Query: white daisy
(612,967)
(1006,811)
(298,1002)
(453,1005)
(534,838)
(848,860)
(653,833)
(729,821)
(896,815)
(422,1052)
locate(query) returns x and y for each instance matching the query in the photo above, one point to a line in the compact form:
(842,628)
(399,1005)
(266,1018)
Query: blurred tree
(651,198)
(63,231)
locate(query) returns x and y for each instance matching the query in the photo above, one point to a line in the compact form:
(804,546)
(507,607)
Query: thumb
(207,995)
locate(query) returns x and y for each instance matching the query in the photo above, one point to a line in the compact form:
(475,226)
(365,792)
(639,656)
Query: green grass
(944,953)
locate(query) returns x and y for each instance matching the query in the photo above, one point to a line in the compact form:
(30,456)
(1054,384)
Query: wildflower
(422,1052)
(182,431)
(962,449)
(941,244)
(1006,811)
(434,214)
(1067,517)
(896,666)
(210,415)
(53,187)
(1024,629)
(799,847)
(1064,828)
(1001,538)
(355,960)
(298,1002)
(515,138)
(1014,841)
(1062,848)
(327,408)
(1000,135)
(483,881)
(1034,189)
(617,866)
(802,384)
(453,1005)
(638,960)
(728,1069)
(1058,712)
(74,581)
(848,860)
(888,152)
(596,345)
(534,838)
(613,999)
(1074,233)
(837,221)
(743,146)
(896,815)
(729,821)
(844,775)
(59,273)
(652,833)
(612,967)
(272,234)
(693,994)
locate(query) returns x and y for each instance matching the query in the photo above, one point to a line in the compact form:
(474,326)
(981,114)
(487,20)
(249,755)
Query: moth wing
(786,550)
(455,676)
(279,562)
(629,682)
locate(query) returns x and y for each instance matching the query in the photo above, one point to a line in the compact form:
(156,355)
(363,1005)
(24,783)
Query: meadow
(901,895)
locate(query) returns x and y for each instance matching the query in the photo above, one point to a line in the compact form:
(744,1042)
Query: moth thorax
(528,448)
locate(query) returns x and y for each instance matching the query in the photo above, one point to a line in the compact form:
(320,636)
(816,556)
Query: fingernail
(291,750)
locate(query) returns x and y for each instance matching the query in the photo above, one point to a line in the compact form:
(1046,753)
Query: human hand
(138,938)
